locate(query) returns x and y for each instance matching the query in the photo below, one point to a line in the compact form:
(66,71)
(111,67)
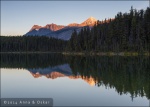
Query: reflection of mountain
(64,69)
(59,71)
(52,75)
(125,74)
(90,80)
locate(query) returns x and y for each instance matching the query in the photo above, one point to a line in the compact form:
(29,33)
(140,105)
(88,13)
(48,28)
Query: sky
(18,17)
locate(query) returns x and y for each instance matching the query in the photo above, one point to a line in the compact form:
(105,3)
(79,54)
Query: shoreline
(38,52)
(107,53)
(85,53)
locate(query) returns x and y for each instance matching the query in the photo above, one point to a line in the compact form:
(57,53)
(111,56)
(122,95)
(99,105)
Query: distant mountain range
(59,31)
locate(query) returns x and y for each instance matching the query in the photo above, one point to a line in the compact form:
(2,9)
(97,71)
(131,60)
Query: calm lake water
(77,80)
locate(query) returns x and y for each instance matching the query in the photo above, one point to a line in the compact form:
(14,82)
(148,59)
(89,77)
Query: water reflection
(125,74)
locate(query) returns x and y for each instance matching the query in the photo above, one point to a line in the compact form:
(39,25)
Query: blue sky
(17,17)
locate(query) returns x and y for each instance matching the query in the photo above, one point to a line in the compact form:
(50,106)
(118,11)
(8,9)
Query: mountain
(53,27)
(59,31)
(36,27)
(37,30)
(89,22)
(64,33)
(73,24)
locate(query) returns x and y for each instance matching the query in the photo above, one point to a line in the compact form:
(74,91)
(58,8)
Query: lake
(77,80)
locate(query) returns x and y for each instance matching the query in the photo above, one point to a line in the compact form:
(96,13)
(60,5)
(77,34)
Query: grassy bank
(84,53)
(107,53)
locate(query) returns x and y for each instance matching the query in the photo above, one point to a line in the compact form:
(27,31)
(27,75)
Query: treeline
(126,32)
(31,43)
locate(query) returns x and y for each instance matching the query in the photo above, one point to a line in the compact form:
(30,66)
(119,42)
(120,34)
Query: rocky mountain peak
(35,27)
(89,22)
(54,27)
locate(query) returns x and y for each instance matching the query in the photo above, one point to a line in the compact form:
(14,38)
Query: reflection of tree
(125,74)
(31,60)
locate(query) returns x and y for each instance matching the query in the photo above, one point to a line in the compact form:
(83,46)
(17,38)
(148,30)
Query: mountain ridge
(90,21)
(51,30)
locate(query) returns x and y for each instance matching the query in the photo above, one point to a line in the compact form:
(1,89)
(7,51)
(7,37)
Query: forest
(31,44)
(127,32)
